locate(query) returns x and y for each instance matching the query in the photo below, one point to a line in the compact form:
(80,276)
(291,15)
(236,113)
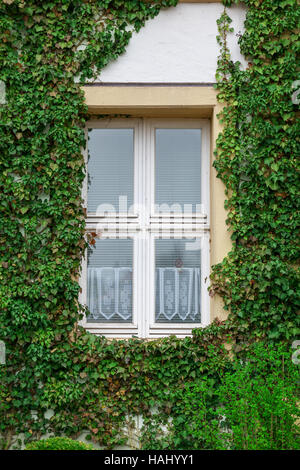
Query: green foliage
(58,443)
(252,406)
(47,50)
(256,158)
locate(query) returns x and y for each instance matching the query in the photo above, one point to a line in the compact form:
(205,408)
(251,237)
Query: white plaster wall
(179,45)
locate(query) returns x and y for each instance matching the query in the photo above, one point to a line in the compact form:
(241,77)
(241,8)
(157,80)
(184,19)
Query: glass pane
(110,168)
(177,281)
(177,168)
(109,281)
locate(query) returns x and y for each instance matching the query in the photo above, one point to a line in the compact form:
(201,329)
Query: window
(147,199)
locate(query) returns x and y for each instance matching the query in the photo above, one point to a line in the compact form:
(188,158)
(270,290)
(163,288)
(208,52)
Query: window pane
(110,167)
(178,168)
(109,287)
(177,281)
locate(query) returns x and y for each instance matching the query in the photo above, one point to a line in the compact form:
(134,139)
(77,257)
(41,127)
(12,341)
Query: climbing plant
(257,160)
(58,378)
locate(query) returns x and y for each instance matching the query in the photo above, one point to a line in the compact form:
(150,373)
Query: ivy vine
(58,378)
(257,159)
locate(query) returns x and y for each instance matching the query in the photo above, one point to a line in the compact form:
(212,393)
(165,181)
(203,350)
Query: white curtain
(110,293)
(177,294)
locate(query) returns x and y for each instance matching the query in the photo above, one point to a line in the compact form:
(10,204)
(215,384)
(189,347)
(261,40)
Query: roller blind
(110,167)
(177,168)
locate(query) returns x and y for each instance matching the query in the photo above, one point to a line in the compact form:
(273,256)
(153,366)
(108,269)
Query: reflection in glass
(177,281)
(109,286)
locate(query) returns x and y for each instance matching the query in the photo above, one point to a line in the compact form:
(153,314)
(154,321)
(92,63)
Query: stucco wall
(179,45)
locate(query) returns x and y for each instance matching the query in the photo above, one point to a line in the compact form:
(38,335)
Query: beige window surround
(167,101)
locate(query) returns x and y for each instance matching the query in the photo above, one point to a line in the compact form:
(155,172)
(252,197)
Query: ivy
(58,378)
(256,158)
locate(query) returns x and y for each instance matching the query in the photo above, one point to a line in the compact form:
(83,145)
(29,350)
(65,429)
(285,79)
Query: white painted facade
(178,46)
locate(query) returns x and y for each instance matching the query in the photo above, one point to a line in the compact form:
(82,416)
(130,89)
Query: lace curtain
(110,294)
(177,294)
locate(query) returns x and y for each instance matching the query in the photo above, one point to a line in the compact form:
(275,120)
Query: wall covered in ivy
(88,382)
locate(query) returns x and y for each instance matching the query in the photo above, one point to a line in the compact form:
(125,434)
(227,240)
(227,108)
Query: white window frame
(144,226)
(153,124)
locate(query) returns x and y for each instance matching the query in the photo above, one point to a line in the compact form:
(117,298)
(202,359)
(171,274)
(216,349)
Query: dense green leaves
(46,50)
(58,378)
(58,443)
(257,158)
(253,405)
